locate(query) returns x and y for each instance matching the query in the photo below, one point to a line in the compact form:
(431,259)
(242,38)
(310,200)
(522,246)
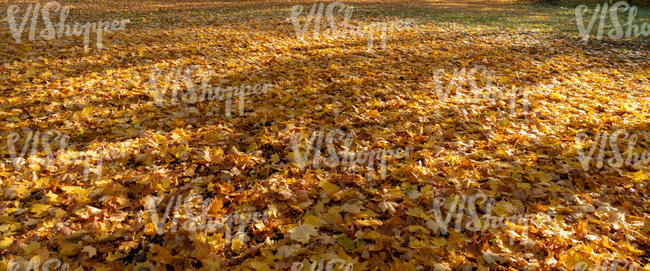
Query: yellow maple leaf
(639,176)
(311,220)
(302,233)
(439,241)
(6,242)
(45,75)
(415,243)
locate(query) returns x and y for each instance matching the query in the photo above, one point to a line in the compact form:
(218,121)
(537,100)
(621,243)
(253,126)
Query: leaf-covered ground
(526,161)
